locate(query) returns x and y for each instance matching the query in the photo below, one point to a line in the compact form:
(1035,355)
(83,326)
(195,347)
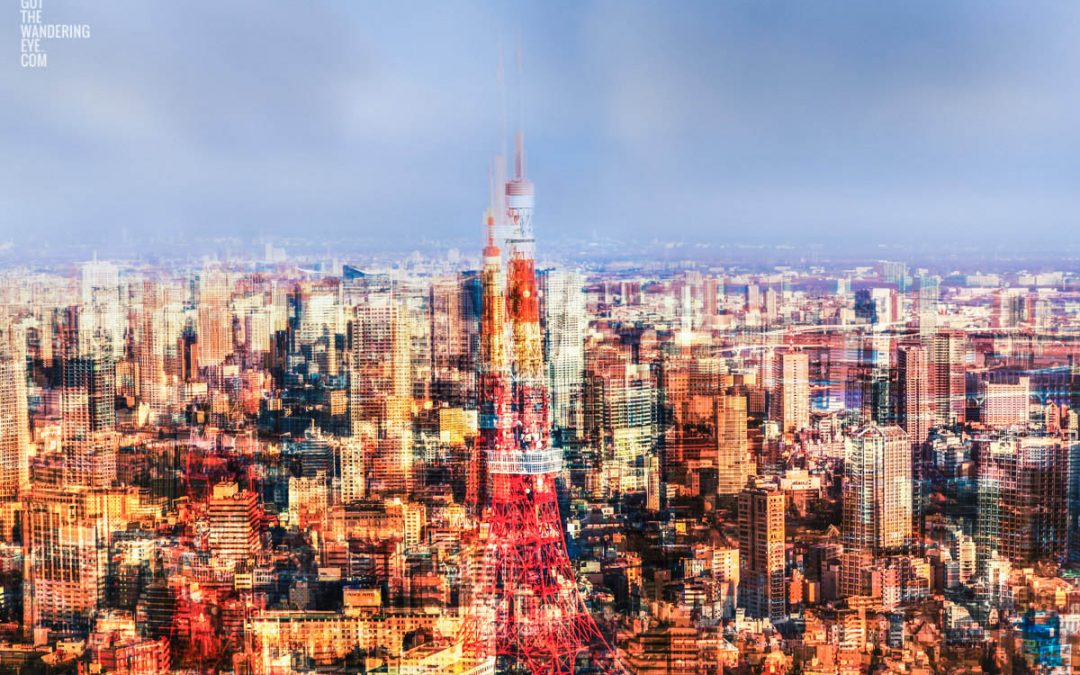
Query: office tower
(761,552)
(877,501)
(793,386)
(452,367)
(471,308)
(103,319)
(872,382)
(1073,523)
(865,307)
(734,466)
(772,306)
(372,342)
(686,315)
(88,395)
(88,405)
(353,483)
(688,383)
(892,272)
(913,391)
(527,611)
(1023,500)
(629,404)
(840,364)
(315,454)
(914,415)
(948,392)
(174,320)
(214,318)
(712,301)
(565,322)
(317,329)
(416,322)
(150,352)
(187,352)
(381,386)
(607,359)
(653,486)
(234,524)
(1009,308)
(258,329)
(927,293)
(14,419)
(39,344)
(887,307)
(65,547)
(878,306)
(1004,404)
(381,390)
(753,298)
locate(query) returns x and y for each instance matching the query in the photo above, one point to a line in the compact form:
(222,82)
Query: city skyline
(316,420)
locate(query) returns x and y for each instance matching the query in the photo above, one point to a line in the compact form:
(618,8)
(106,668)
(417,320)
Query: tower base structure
(527,611)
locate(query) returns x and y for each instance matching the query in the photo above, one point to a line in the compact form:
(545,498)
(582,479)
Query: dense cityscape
(460,463)
(539,338)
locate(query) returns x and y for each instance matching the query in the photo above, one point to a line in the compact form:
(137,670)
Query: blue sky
(727,122)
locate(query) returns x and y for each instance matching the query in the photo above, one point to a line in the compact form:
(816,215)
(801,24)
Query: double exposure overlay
(730,339)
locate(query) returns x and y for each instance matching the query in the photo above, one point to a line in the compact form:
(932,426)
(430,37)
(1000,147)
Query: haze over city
(600,338)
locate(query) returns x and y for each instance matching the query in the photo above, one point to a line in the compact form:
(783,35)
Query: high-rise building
(102,321)
(150,351)
(892,272)
(630,427)
(66,533)
(14,420)
(565,322)
(1009,308)
(762,552)
(214,318)
(453,362)
(381,390)
(88,396)
(416,323)
(1004,404)
(1023,500)
(948,392)
(734,465)
(353,483)
(871,386)
(381,387)
(88,406)
(688,382)
(913,396)
(317,329)
(234,523)
(793,385)
(713,297)
(928,291)
(877,501)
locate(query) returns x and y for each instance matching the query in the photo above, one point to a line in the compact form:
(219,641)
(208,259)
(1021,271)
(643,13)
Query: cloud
(729,121)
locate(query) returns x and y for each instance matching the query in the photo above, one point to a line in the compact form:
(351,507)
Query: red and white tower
(527,611)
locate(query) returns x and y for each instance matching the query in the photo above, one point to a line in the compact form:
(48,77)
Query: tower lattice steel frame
(526,609)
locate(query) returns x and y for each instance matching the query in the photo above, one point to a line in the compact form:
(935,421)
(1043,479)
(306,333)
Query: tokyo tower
(526,611)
